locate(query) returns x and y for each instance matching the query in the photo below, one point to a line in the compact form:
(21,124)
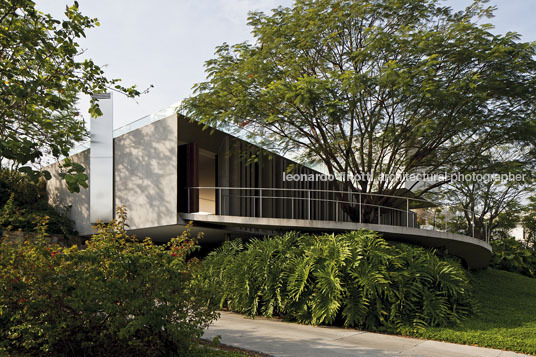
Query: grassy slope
(507,316)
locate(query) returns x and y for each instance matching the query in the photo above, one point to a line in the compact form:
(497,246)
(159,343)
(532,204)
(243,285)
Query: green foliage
(74,175)
(41,75)
(23,203)
(513,256)
(495,201)
(506,221)
(118,296)
(529,222)
(355,279)
(506,318)
(374,87)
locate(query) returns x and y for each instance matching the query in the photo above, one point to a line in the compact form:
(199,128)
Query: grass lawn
(507,316)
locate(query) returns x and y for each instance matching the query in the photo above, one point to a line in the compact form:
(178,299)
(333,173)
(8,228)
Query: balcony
(272,210)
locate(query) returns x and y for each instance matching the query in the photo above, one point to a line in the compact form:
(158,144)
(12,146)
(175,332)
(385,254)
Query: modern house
(168,171)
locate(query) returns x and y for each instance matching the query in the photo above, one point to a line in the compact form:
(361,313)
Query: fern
(356,279)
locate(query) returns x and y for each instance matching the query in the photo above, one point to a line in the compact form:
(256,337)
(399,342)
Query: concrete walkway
(279,338)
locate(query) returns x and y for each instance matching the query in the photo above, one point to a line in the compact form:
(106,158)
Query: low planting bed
(354,279)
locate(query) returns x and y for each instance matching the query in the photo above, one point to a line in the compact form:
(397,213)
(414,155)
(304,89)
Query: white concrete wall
(145,178)
(75,204)
(145,166)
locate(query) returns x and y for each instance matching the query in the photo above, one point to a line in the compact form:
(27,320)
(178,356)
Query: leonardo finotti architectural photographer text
(405,177)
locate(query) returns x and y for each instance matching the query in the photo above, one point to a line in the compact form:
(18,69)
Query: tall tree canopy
(41,76)
(493,204)
(529,222)
(374,87)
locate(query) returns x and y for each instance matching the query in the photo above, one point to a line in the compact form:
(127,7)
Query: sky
(165,43)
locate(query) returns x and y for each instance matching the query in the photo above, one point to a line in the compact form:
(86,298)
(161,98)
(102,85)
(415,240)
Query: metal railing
(323,205)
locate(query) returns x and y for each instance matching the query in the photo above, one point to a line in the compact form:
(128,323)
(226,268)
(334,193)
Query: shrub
(116,297)
(355,279)
(513,256)
(23,203)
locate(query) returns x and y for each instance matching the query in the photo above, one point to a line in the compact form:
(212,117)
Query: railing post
(407,212)
(260,202)
(360,211)
(336,211)
(292,207)
(188,192)
(473,224)
(219,200)
(379,222)
(309,206)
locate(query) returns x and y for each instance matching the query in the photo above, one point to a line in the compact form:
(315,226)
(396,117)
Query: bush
(116,297)
(513,256)
(355,279)
(23,203)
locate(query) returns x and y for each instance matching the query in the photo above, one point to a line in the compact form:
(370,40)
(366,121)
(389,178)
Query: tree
(529,222)
(41,77)
(373,87)
(23,203)
(490,190)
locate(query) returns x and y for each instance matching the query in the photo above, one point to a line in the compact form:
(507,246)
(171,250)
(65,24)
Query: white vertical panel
(101,193)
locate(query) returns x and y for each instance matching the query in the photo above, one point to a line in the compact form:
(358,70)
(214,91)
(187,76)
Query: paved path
(279,338)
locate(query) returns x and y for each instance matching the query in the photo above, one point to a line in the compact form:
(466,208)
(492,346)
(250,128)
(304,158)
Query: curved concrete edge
(475,252)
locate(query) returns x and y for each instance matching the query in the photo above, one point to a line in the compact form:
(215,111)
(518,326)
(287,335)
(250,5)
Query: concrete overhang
(475,252)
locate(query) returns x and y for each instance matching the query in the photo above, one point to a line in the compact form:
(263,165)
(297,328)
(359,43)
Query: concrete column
(101,162)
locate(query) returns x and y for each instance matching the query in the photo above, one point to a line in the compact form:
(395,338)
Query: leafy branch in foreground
(117,296)
(41,77)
